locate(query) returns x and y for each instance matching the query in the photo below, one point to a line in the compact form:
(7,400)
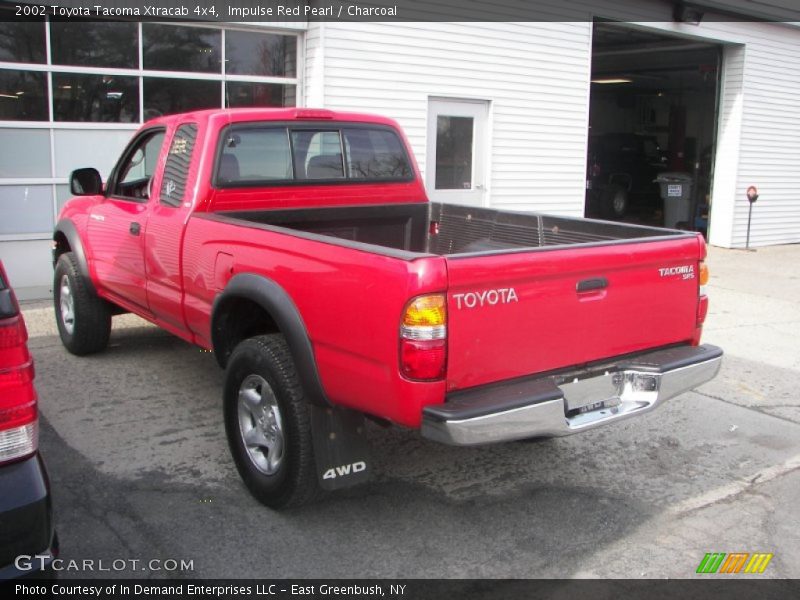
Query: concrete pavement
(135,444)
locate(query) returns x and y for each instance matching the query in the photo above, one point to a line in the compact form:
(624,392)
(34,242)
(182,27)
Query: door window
(454,152)
(135,172)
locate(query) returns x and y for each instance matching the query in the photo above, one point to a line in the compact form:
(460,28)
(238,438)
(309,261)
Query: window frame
(289,126)
(133,145)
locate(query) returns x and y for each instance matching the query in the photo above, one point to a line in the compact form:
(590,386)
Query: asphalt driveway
(136,449)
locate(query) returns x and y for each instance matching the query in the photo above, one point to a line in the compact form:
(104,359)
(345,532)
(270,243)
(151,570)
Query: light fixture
(606,80)
(12,97)
(683,12)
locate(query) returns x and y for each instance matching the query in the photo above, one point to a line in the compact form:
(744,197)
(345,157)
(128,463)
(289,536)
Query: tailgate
(511,315)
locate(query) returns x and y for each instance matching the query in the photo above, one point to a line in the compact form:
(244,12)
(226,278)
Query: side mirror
(85,182)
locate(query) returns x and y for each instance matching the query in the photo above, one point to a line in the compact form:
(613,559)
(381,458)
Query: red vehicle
(300,246)
(28,541)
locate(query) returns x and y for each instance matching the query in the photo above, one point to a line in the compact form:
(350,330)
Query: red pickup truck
(299,245)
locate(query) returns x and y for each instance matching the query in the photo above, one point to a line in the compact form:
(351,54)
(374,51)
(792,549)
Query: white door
(455,164)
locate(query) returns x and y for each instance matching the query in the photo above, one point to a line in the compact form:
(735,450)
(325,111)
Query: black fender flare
(278,304)
(68,229)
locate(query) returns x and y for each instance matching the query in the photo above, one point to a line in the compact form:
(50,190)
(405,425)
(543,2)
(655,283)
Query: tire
(83,319)
(268,423)
(615,202)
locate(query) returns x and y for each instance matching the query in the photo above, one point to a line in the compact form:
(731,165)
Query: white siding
(728,143)
(535,76)
(770,138)
(314,80)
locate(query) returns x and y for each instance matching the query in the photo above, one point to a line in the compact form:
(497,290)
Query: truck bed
(527,293)
(448,229)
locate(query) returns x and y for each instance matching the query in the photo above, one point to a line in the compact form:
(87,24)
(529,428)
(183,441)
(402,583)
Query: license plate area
(593,392)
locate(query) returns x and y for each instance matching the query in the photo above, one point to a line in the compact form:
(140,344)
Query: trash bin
(676,191)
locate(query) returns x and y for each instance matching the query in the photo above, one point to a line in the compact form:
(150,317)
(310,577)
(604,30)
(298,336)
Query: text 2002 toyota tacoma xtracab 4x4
(300,246)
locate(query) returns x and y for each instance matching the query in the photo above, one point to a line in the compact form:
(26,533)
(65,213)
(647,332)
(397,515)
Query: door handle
(135,228)
(589,285)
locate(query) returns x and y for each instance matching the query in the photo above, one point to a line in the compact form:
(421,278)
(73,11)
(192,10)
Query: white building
(517,98)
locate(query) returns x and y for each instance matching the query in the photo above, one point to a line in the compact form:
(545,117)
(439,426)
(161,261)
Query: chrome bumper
(561,404)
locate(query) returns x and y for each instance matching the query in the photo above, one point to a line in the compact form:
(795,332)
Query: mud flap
(340,447)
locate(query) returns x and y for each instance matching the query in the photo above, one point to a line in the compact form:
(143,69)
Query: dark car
(621,168)
(28,542)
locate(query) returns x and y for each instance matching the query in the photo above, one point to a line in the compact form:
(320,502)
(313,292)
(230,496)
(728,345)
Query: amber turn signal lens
(426,311)
(703,273)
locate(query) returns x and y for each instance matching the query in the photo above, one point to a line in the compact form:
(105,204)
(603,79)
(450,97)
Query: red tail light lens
(18,413)
(702,309)
(13,347)
(12,333)
(423,359)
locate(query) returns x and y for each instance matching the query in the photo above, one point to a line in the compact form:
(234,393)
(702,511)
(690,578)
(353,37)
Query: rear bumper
(28,542)
(563,404)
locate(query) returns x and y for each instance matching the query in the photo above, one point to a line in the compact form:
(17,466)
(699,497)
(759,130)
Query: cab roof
(237,115)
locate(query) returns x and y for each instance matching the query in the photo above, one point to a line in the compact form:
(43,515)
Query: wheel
(83,319)
(268,423)
(616,202)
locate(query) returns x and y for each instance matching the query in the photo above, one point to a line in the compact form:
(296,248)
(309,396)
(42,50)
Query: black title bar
(688,11)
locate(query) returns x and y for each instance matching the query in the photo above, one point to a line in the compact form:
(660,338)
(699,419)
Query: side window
(135,172)
(318,154)
(176,170)
(253,155)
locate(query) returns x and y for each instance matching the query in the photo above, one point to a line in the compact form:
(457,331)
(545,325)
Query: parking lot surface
(135,445)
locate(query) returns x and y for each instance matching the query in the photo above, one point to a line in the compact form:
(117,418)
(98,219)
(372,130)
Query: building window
(164,96)
(24,153)
(240,93)
(23,42)
(253,53)
(23,96)
(116,97)
(78,105)
(26,209)
(175,48)
(97,98)
(95,44)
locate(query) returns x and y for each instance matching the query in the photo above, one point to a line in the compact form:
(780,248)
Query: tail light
(19,432)
(423,338)
(702,303)
(703,277)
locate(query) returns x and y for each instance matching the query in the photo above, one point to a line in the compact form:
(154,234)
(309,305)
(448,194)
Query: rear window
(252,155)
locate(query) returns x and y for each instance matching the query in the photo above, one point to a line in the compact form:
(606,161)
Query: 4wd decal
(344,470)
